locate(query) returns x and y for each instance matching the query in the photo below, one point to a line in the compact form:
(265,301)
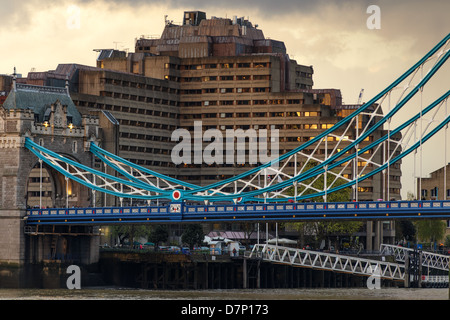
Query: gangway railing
(429,259)
(328,261)
(439,281)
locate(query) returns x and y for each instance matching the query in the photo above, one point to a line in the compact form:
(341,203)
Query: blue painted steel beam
(363,108)
(182,213)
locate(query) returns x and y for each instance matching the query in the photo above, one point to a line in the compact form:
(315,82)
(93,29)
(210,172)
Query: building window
(243,77)
(276,101)
(262,89)
(243,65)
(434,192)
(255,102)
(277,114)
(424,193)
(312,114)
(259,114)
(226,90)
(226,65)
(260,65)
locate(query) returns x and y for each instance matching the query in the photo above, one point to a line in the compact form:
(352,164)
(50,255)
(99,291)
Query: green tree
(447,241)
(430,230)
(303,229)
(159,234)
(405,229)
(193,235)
(336,229)
(337,196)
(130,232)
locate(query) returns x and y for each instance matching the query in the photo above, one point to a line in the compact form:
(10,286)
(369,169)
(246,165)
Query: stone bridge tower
(49,117)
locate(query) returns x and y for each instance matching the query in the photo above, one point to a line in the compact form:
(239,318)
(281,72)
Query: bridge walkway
(429,259)
(328,261)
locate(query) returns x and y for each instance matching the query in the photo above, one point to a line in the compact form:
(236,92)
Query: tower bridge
(54,136)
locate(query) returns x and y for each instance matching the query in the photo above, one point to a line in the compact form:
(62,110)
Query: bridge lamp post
(40,184)
(445,163)
(67,192)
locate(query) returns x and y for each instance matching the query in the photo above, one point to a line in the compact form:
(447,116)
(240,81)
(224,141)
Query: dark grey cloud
(262,7)
(415,18)
(426,21)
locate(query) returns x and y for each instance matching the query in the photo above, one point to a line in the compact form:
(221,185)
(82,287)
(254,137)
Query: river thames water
(101,293)
(278,304)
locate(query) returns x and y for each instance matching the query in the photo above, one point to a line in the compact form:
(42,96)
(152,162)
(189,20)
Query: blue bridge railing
(181,212)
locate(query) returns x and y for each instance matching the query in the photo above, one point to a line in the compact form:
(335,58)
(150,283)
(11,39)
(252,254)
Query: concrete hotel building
(222,72)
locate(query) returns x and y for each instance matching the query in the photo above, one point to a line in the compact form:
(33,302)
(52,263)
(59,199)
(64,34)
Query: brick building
(436,186)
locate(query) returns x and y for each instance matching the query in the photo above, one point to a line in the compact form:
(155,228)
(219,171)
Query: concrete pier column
(378,237)
(369,227)
(258,275)
(244,273)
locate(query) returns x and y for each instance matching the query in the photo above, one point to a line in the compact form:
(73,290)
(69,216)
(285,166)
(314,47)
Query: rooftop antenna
(167,21)
(67,83)
(360,96)
(14,79)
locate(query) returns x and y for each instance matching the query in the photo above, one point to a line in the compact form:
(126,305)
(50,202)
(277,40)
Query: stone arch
(35,198)
(56,191)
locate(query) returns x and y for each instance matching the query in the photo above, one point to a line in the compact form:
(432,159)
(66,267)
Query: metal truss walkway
(329,261)
(429,259)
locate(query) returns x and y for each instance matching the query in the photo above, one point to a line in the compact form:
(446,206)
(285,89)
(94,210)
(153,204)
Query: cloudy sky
(331,35)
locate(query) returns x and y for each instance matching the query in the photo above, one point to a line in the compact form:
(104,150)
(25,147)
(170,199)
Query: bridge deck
(180,212)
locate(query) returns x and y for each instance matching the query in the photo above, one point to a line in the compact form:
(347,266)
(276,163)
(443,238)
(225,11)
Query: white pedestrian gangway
(429,259)
(328,261)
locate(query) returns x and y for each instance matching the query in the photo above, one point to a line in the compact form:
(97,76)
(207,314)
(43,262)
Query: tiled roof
(39,98)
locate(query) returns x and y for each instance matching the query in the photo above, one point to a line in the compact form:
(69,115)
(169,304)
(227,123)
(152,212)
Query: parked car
(185,250)
(201,249)
(163,248)
(174,249)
